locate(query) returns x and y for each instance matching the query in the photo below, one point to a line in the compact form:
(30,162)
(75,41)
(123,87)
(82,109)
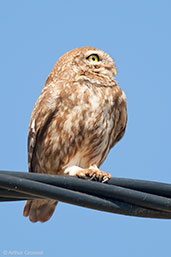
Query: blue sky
(33,35)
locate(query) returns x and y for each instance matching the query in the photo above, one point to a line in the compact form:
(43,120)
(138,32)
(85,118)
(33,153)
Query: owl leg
(92,172)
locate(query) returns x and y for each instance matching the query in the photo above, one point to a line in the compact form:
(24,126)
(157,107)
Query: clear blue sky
(137,34)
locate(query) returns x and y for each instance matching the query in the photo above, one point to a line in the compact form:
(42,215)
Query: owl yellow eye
(93,58)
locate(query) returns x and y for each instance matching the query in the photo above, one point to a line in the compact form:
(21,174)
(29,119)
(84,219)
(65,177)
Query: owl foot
(92,172)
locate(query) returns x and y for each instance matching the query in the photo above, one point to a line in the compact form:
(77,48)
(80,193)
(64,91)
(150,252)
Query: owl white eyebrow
(93,52)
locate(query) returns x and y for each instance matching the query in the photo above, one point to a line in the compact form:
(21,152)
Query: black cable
(104,190)
(123,196)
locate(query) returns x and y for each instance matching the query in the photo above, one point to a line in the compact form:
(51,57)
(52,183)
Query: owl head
(85,64)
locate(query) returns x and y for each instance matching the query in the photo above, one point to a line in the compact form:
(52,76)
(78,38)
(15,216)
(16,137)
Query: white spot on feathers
(33,126)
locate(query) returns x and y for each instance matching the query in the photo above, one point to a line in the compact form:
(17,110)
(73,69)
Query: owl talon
(105,178)
(97,175)
(92,177)
(93,173)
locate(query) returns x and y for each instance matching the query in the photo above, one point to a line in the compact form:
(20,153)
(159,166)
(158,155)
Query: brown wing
(43,112)
(121,120)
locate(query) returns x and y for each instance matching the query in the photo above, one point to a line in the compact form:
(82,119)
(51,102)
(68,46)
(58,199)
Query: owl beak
(114,71)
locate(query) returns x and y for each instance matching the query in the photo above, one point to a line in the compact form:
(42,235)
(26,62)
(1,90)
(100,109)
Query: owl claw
(93,177)
(105,178)
(101,178)
(93,173)
(96,175)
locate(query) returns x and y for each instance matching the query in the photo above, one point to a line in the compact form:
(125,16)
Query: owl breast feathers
(80,115)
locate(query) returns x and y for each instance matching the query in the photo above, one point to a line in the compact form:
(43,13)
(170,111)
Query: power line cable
(118,195)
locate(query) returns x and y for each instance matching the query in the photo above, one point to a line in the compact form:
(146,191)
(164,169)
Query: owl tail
(39,210)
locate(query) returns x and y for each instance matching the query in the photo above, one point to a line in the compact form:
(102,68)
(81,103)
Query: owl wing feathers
(39,122)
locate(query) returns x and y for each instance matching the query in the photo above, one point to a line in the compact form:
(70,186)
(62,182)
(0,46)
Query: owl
(80,115)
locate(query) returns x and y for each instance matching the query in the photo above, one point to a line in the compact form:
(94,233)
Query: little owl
(80,115)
